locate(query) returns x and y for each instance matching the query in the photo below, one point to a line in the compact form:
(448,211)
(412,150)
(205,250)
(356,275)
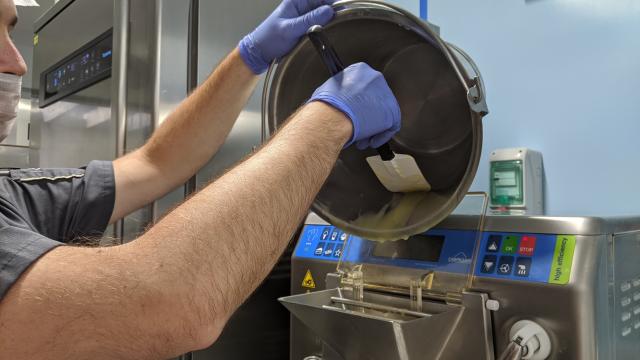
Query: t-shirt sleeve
(62,204)
(19,248)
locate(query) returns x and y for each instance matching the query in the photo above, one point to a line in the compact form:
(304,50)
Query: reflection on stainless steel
(90,115)
(14,157)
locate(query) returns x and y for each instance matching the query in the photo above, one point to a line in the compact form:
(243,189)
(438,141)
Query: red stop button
(527,246)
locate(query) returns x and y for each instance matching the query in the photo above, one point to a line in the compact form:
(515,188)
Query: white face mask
(10,89)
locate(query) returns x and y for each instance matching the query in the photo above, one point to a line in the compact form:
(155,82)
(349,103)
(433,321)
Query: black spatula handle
(333,63)
(325,50)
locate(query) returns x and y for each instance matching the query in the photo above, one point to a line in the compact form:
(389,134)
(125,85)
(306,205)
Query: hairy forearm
(233,231)
(173,289)
(187,139)
(199,126)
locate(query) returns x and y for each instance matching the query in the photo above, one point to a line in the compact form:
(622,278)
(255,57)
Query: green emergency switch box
(516,182)
(506,184)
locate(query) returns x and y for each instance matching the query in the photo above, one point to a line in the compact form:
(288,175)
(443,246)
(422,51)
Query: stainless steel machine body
(577,278)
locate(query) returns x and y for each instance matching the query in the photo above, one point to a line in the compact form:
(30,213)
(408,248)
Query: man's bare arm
(173,289)
(187,139)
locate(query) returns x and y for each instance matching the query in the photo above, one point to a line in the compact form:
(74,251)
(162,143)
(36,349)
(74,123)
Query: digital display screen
(85,67)
(419,247)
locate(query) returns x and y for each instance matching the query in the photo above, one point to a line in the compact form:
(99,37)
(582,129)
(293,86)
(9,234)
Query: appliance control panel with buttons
(539,258)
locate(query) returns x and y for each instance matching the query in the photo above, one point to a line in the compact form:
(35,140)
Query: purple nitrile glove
(282,30)
(363,94)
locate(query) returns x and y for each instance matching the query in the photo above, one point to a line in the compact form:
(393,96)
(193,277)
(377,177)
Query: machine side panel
(566,312)
(626,294)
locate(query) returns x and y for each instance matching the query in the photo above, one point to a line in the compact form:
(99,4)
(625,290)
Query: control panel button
(625,286)
(523,267)
(325,234)
(344,237)
(625,301)
(319,249)
(337,253)
(527,246)
(510,244)
(505,267)
(636,282)
(489,264)
(328,251)
(335,235)
(493,245)
(626,331)
(626,316)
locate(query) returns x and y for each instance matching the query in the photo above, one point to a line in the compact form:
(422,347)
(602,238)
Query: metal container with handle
(441,96)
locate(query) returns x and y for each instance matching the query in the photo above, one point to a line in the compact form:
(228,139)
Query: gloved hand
(364,96)
(282,30)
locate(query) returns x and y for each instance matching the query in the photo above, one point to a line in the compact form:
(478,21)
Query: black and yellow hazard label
(36,39)
(308,282)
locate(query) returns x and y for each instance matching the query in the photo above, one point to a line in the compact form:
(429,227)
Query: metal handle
(192,71)
(477,93)
(513,352)
(119,90)
(325,50)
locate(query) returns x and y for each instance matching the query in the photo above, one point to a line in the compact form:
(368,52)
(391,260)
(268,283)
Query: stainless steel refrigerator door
(222,25)
(79,128)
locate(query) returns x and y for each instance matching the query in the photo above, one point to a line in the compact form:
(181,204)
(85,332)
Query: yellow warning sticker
(36,39)
(308,281)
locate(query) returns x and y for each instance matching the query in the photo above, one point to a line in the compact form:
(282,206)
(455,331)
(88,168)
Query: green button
(510,244)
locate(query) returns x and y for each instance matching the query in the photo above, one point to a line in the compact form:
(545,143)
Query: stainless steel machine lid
(442,106)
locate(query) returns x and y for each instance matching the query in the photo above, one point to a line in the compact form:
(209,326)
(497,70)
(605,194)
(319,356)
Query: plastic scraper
(397,172)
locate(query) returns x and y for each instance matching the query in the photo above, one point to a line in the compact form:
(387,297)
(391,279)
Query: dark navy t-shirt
(41,209)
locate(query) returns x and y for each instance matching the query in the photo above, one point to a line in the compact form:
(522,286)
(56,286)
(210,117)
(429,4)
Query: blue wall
(411,5)
(563,78)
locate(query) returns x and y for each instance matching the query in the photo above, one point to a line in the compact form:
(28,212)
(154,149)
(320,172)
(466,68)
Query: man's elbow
(194,316)
(206,335)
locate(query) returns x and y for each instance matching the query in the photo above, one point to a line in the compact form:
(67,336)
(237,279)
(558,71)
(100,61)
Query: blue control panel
(446,250)
(516,256)
(512,256)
